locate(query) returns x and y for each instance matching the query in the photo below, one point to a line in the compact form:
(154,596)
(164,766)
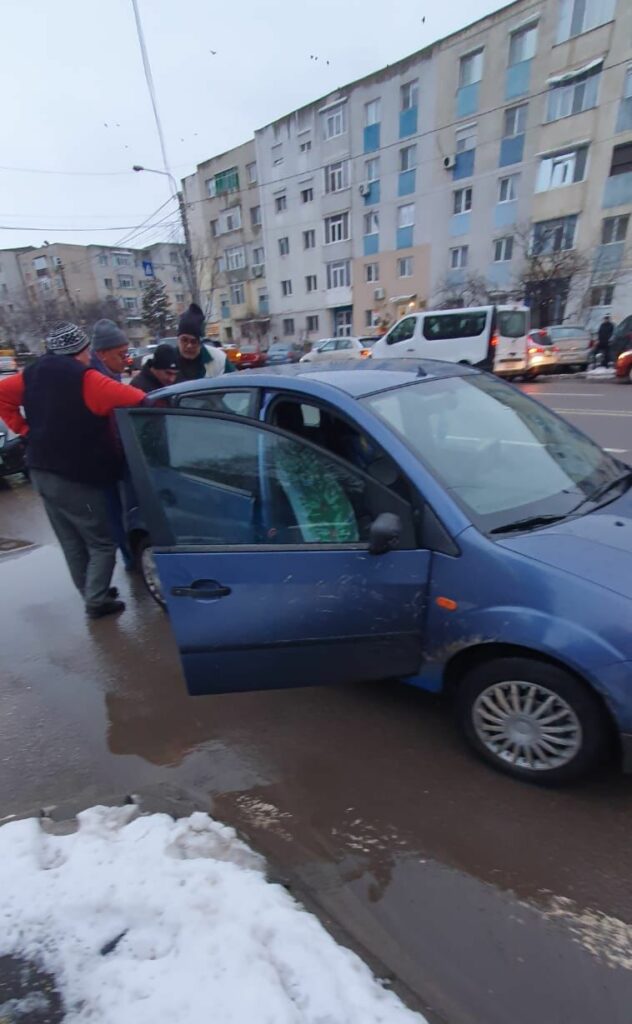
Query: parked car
(136,357)
(283,352)
(623,366)
(249,356)
(8,364)
(557,348)
(621,340)
(12,452)
(334,349)
(396,519)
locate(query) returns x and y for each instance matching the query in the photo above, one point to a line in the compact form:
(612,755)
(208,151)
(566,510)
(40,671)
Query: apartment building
(12,290)
(444,174)
(225,221)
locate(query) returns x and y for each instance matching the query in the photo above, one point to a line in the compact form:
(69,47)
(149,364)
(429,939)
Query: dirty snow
(144,919)
(600,372)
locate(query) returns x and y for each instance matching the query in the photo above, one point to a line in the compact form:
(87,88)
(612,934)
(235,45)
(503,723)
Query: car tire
(144,557)
(499,707)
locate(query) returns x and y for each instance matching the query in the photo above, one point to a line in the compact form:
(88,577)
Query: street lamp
(189,264)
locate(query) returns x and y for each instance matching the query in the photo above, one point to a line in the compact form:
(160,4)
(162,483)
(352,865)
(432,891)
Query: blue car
(415,521)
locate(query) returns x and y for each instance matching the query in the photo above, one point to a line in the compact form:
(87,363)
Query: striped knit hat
(67,340)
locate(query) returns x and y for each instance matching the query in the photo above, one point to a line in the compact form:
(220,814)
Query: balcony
(624,116)
(608,257)
(373,195)
(406,183)
(500,274)
(511,150)
(460,224)
(371,138)
(404,238)
(505,214)
(618,190)
(264,307)
(517,79)
(407,122)
(464,166)
(467,99)
(371,244)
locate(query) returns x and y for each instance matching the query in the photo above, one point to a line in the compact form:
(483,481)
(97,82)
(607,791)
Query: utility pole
(190,268)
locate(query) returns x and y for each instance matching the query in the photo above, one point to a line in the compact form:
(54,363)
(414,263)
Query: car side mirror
(384,533)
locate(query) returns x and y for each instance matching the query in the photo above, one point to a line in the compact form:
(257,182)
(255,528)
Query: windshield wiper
(605,488)
(529,523)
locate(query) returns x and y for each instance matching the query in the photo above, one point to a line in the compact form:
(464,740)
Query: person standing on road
(604,334)
(160,370)
(71,455)
(196,360)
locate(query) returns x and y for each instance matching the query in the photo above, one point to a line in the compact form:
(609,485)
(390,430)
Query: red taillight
(535,350)
(494,340)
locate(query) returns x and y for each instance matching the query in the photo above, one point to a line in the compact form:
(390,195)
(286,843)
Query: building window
(224,307)
(462,200)
(465,138)
(577,16)
(288,327)
(503,249)
(621,159)
(129,303)
(339,274)
(562,169)
(230,220)
(371,222)
(280,204)
(307,195)
(407,158)
(522,44)
(251,173)
(556,235)
(227,181)
(103,259)
(614,229)
(311,283)
(570,94)
(286,288)
(409,95)
(304,120)
(515,121)
(179,297)
(337,176)
(459,257)
(276,154)
(174,258)
(305,146)
(284,246)
(214,229)
(177,278)
(122,259)
(309,239)
(405,266)
(602,295)
(125,282)
(312,324)
(255,216)
(372,169)
(237,294)
(372,112)
(471,68)
(371,272)
(508,188)
(334,122)
(406,215)
(258,256)
(235,258)
(210,187)
(109,283)
(337,228)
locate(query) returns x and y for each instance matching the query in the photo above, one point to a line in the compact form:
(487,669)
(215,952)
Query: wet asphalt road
(492,901)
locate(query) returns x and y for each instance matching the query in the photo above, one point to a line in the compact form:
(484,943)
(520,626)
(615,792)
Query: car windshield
(501,455)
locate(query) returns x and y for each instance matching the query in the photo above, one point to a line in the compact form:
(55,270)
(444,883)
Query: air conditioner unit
(379,293)
(258,270)
(364,188)
(449,162)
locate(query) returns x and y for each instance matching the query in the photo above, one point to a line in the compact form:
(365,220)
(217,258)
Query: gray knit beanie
(107,335)
(67,339)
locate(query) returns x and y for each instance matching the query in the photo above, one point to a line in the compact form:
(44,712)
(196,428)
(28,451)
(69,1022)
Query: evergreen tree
(157,314)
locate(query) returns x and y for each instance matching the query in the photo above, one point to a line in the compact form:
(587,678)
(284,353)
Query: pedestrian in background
(71,455)
(160,370)
(196,360)
(604,334)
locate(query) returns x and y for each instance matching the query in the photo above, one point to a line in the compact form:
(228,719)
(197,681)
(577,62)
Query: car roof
(355,377)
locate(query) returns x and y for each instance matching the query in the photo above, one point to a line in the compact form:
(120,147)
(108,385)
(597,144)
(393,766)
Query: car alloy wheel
(527,726)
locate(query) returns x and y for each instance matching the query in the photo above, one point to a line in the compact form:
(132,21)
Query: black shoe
(113,593)
(107,608)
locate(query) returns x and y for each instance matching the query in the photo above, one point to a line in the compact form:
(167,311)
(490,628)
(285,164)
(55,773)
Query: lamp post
(188,264)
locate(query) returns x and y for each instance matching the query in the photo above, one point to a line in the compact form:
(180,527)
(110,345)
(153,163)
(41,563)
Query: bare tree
(551,272)
(472,290)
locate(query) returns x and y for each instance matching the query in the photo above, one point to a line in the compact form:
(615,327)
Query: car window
(344,344)
(402,331)
(230,482)
(238,403)
(449,326)
(329,346)
(563,333)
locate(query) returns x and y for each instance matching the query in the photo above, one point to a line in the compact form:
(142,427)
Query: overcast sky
(75,98)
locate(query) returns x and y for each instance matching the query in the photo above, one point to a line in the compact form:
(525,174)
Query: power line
(79,174)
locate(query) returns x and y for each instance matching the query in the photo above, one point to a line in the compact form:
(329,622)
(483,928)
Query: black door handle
(203,589)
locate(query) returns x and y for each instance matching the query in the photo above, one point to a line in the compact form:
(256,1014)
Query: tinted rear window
(568,332)
(512,323)
(446,326)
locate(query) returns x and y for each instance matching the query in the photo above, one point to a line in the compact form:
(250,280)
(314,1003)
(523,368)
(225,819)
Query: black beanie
(163,358)
(192,321)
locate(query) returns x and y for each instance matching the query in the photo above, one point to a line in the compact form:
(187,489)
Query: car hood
(596,547)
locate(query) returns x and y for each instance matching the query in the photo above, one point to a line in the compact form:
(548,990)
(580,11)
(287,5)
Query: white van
(489,337)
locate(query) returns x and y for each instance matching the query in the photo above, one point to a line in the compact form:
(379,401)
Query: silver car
(559,347)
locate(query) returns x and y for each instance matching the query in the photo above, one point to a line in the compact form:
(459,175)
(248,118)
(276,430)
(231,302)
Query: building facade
(496,163)
(224,212)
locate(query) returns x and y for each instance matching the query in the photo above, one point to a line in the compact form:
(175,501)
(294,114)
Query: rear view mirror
(384,533)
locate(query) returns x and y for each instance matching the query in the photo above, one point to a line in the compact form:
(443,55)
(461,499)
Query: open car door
(262,544)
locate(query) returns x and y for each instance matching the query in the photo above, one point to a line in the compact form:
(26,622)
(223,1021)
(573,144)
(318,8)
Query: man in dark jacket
(158,371)
(196,360)
(604,335)
(71,455)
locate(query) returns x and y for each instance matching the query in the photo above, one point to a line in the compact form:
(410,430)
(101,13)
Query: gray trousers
(78,514)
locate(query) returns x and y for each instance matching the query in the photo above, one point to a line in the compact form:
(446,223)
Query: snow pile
(601,371)
(155,920)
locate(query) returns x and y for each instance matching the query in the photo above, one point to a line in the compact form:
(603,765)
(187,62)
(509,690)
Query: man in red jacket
(71,455)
